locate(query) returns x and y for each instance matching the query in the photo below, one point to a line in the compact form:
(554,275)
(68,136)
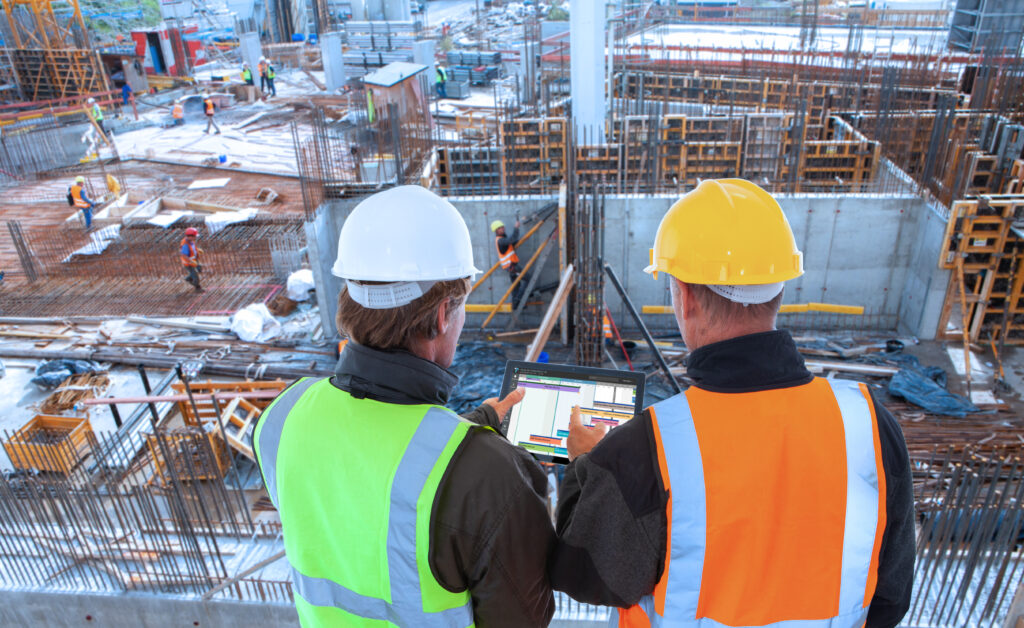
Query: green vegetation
(557,13)
(445,44)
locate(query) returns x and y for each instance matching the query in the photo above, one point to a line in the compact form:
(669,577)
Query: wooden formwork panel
(50,443)
(598,160)
(980,234)
(206,407)
(712,160)
(714,129)
(191,453)
(836,164)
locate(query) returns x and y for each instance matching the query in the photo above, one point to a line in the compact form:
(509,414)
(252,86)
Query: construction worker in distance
(80,200)
(761,495)
(190,253)
(208,108)
(507,257)
(395,510)
(178,113)
(262,68)
(440,80)
(247,74)
(96,113)
(270,78)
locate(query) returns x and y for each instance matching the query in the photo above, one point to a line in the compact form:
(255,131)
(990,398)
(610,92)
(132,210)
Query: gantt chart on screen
(540,422)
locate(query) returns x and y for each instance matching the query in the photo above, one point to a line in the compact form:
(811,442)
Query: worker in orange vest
(262,68)
(79,199)
(505,245)
(178,113)
(761,495)
(189,254)
(208,108)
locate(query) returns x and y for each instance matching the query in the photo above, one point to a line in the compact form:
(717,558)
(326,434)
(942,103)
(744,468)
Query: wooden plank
(561,295)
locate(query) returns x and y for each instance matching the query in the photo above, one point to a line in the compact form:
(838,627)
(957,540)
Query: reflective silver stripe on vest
(688,525)
(423,451)
(273,424)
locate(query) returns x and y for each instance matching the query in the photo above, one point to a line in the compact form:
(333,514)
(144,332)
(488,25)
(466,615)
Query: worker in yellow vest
(395,510)
(270,78)
(247,74)
(208,109)
(760,496)
(508,258)
(96,113)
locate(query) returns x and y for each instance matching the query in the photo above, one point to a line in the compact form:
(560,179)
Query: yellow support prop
(505,308)
(792,308)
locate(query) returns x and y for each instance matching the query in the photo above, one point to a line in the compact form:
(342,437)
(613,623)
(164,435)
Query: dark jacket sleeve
(503,243)
(611,520)
(491,530)
(896,558)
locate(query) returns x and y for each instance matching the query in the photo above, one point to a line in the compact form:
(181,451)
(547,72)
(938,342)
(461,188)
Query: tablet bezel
(567,370)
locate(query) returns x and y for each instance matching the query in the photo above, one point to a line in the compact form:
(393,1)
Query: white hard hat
(92,100)
(407,236)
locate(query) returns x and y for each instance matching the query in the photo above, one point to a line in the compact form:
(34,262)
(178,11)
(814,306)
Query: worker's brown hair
(729,312)
(395,328)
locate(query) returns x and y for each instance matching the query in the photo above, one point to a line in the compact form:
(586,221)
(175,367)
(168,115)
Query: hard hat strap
(389,295)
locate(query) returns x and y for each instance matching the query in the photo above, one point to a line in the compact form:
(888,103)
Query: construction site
(891,133)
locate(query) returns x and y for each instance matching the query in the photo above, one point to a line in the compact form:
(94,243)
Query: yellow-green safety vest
(354,481)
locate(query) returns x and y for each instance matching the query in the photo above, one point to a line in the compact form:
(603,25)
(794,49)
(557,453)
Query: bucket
(223,159)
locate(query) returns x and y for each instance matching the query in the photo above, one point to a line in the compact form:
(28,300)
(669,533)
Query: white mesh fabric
(748,295)
(388,295)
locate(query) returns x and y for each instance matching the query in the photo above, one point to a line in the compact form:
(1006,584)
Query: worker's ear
(442,317)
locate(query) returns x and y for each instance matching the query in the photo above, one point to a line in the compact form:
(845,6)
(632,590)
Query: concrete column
(423,52)
(527,71)
(359,11)
(397,10)
(586,47)
(374,10)
(333,59)
(249,47)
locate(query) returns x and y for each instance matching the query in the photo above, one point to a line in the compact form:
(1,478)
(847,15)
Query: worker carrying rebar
(79,199)
(507,257)
(247,74)
(395,509)
(762,495)
(96,113)
(178,113)
(440,80)
(209,109)
(189,254)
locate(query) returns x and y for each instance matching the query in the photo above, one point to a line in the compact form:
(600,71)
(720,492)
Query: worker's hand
(502,407)
(581,437)
(517,223)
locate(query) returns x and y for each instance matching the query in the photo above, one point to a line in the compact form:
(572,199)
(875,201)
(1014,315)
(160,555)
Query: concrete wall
(876,251)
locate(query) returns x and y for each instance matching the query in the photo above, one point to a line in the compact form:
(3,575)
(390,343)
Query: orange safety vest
(606,326)
(177,111)
(76,194)
(262,68)
(209,106)
(776,508)
(509,257)
(192,259)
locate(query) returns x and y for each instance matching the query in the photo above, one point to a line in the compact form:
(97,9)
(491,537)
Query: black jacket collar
(392,376)
(750,363)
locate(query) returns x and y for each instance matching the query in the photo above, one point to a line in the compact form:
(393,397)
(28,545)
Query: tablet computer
(540,422)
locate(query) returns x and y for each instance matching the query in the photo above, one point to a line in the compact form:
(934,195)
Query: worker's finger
(575,418)
(502,407)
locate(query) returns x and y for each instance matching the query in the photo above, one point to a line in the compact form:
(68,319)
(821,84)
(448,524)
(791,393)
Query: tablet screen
(540,422)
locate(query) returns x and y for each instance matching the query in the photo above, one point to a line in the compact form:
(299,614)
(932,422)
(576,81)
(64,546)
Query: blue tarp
(925,386)
(52,373)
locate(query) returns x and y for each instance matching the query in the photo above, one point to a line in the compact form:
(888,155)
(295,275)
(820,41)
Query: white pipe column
(587,62)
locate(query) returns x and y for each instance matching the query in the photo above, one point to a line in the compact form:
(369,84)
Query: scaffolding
(49,50)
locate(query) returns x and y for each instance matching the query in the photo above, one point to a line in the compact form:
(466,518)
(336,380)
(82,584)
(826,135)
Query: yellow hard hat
(496,224)
(79,179)
(726,231)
